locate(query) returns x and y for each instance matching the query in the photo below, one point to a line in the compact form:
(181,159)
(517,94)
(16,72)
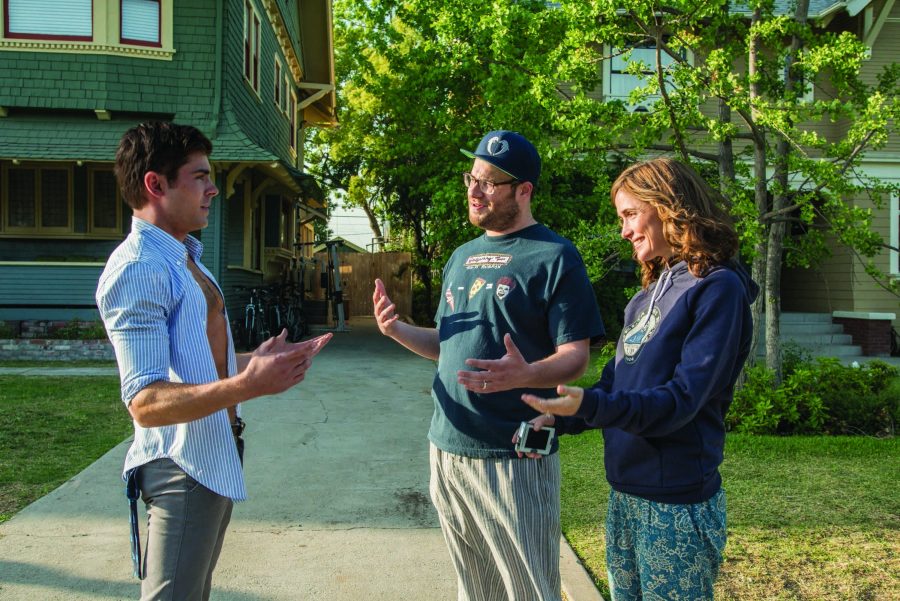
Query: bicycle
(294,320)
(254,330)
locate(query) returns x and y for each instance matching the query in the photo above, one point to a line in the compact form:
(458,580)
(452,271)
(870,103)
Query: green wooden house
(76,74)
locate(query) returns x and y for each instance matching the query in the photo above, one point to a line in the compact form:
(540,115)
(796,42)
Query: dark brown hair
(696,223)
(156,146)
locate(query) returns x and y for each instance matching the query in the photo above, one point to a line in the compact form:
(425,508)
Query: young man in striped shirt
(181,379)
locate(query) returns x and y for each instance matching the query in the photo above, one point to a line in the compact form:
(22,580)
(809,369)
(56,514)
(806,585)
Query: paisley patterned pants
(662,551)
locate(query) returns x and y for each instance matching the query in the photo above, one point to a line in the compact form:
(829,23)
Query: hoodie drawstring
(661,285)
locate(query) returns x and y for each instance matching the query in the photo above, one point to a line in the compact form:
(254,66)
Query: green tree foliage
(725,90)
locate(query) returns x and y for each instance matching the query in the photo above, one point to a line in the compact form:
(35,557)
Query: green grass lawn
(52,429)
(809,518)
(58,364)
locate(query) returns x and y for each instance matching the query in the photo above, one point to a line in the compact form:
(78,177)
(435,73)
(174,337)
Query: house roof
(817,8)
(341,242)
(58,137)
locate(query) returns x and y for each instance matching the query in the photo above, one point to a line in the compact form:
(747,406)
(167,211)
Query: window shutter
(140,20)
(67,18)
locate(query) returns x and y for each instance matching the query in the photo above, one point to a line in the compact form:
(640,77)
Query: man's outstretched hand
(508,372)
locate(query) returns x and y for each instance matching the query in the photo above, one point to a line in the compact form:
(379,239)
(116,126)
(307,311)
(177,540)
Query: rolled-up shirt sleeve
(134,303)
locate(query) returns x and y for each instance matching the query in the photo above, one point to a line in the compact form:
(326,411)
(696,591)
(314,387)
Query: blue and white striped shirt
(155,314)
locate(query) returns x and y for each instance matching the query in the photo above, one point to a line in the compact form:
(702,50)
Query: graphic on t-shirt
(488,261)
(449,296)
(639,333)
(505,285)
(476,286)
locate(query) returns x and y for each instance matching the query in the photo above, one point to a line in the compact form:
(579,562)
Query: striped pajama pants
(500,519)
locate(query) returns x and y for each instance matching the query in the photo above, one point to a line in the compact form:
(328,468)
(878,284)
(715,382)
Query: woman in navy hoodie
(662,401)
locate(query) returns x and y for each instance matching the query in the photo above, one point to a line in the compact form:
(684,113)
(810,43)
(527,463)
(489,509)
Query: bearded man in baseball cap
(517,315)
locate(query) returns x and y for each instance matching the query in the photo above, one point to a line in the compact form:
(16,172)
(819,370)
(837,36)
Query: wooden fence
(358,273)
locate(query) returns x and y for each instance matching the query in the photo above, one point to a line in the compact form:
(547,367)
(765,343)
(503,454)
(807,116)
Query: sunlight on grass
(809,518)
(52,429)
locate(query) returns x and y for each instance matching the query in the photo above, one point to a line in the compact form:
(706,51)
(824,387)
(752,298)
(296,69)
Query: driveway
(337,472)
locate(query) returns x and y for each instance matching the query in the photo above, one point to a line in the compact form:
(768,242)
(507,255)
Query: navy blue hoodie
(662,401)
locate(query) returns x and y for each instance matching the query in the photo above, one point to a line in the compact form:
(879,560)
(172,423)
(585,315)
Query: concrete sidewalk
(337,471)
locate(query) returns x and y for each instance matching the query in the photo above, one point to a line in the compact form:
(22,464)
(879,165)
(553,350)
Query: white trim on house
(894,216)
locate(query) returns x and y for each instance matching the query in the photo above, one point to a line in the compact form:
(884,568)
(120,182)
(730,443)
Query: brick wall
(38,349)
(873,335)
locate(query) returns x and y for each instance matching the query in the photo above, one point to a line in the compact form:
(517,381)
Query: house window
(49,19)
(38,200)
(141,22)
(251,45)
(285,86)
(278,83)
(293,118)
(895,234)
(808,94)
(105,203)
(619,81)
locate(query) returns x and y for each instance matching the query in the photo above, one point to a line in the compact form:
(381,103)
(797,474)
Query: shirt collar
(171,248)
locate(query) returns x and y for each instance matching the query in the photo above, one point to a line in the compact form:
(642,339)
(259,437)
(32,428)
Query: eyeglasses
(485,185)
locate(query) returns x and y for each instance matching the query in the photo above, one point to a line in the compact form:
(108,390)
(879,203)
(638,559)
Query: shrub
(818,397)
(79,330)
(7,331)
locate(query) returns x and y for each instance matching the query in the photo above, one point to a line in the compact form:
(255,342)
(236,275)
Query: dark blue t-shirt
(531,284)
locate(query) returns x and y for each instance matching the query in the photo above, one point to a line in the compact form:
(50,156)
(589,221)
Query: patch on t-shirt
(505,285)
(488,261)
(449,296)
(476,286)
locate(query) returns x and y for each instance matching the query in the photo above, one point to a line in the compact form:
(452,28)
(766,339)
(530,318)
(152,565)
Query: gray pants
(186,524)
(500,519)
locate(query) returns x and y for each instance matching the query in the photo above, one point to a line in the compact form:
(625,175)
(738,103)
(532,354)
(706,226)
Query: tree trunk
(375,227)
(423,265)
(775,249)
(760,191)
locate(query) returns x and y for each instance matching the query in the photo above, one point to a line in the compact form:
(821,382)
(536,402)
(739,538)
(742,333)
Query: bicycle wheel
(254,330)
(237,334)
(294,325)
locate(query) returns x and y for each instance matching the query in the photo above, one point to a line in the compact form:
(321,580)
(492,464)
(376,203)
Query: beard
(501,216)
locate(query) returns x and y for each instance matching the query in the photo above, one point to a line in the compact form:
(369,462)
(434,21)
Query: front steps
(816,334)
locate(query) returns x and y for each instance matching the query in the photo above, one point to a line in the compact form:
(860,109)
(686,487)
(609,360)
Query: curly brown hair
(157,146)
(696,222)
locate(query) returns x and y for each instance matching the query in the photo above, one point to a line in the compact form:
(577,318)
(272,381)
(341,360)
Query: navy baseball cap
(511,153)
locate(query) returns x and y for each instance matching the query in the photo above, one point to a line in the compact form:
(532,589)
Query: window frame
(608,75)
(130,42)
(277,89)
(251,47)
(37,229)
(92,230)
(292,118)
(8,34)
(106,36)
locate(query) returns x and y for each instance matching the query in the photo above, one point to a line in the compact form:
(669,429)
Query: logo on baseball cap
(511,153)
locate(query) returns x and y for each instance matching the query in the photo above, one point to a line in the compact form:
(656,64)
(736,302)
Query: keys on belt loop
(132,492)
